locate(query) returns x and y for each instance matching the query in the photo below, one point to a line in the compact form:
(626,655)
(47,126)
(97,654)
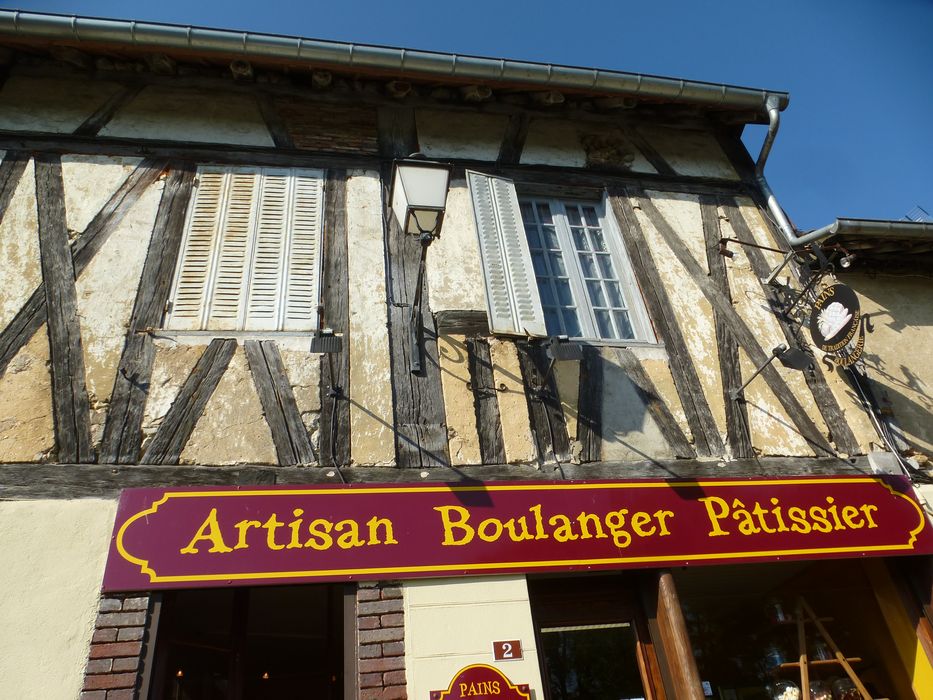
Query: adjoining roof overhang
(883,241)
(33,27)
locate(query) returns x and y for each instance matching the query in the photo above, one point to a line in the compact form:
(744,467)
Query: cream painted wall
(453,272)
(53,563)
(449,134)
(57,105)
(897,354)
(452,623)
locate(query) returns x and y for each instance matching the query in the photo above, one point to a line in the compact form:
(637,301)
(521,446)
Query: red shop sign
(181,538)
(481,681)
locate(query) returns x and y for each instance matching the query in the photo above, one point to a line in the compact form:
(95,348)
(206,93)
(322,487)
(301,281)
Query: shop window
(250,257)
(554,267)
(257,643)
(746,641)
(592,639)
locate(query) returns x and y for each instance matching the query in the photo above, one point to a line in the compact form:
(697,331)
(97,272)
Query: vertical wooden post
(673,628)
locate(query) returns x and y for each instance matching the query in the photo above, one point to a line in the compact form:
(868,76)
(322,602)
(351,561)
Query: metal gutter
(878,228)
(154,36)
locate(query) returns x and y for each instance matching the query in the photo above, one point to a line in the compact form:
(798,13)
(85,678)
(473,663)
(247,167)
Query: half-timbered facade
(202,284)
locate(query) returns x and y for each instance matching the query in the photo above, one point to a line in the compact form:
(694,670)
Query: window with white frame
(250,257)
(554,267)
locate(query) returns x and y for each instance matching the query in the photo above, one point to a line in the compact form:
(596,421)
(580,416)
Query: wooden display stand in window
(804,614)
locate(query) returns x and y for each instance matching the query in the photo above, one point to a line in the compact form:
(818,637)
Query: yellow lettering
(540,534)
(496,530)
(564,531)
(210,531)
(820,523)
(242,528)
(798,516)
(459,524)
(295,542)
(639,521)
(867,509)
(849,514)
(318,530)
(271,525)
(584,519)
(835,516)
(662,516)
(615,521)
(716,510)
(386,525)
(511,525)
(350,538)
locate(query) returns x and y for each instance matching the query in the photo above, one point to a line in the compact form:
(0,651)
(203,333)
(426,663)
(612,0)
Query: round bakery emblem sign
(835,317)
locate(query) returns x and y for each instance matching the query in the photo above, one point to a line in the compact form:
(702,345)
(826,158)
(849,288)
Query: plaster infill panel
(452,623)
(233,427)
(20,269)
(106,292)
(453,269)
(180,114)
(54,105)
(26,428)
(690,152)
(606,146)
(772,431)
(628,430)
(371,416)
(304,376)
(462,435)
(513,406)
(53,563)
(172,364)
(466,135)
(553,142)
(693,312)
(89,182)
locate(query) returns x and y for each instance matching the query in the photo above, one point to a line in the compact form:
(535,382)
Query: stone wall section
(115,658)
(381,630)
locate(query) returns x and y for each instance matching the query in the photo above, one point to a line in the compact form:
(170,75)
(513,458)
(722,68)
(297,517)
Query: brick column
(116,647)
(381,625)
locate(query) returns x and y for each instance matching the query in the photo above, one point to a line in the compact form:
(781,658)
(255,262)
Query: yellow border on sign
(155,578)
(512,686)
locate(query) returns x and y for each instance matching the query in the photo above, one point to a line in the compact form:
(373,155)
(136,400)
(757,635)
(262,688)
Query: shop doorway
(249,644)
(592,639)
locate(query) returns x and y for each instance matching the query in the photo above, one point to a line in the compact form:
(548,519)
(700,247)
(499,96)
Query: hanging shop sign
(837,325)
(481,681)
(180,538)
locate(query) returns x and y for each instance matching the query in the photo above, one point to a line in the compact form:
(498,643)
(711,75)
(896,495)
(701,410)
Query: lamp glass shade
(419,195)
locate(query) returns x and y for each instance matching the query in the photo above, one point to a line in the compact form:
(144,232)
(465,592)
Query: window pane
(550,238)
(571,324)
(540,264)
(604,324)
(595,290)
(547,294)
(599,242)
(624,325)
(557,265)
(605,267)
(573,215)
(579,239)
(528,211)
(564,296)
(589,214)
(615,295)
(544,213)
(531,233)
(552,321)
(588,266)
(590,663)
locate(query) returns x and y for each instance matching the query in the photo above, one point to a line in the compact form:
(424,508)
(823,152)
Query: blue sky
(856,141)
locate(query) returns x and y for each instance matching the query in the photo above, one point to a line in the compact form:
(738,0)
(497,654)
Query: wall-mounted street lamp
(419,198)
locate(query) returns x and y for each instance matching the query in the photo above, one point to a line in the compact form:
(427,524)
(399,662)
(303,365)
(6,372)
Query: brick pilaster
(380,621)
(116,648)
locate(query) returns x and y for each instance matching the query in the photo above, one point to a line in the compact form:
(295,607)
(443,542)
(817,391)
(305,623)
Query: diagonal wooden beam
(513,141)
(103,114)
(706,436)
(11,170)
(292,443)
(70,405)
(743,334)
(32,315)
(123,431)
(172,436)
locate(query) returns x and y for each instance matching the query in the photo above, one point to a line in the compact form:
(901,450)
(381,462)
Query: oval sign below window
(834,318)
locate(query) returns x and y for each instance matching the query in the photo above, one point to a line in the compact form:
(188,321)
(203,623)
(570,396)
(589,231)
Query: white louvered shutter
(512,299)
(263,301)
(236,248)
(303,272)
(197,258)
